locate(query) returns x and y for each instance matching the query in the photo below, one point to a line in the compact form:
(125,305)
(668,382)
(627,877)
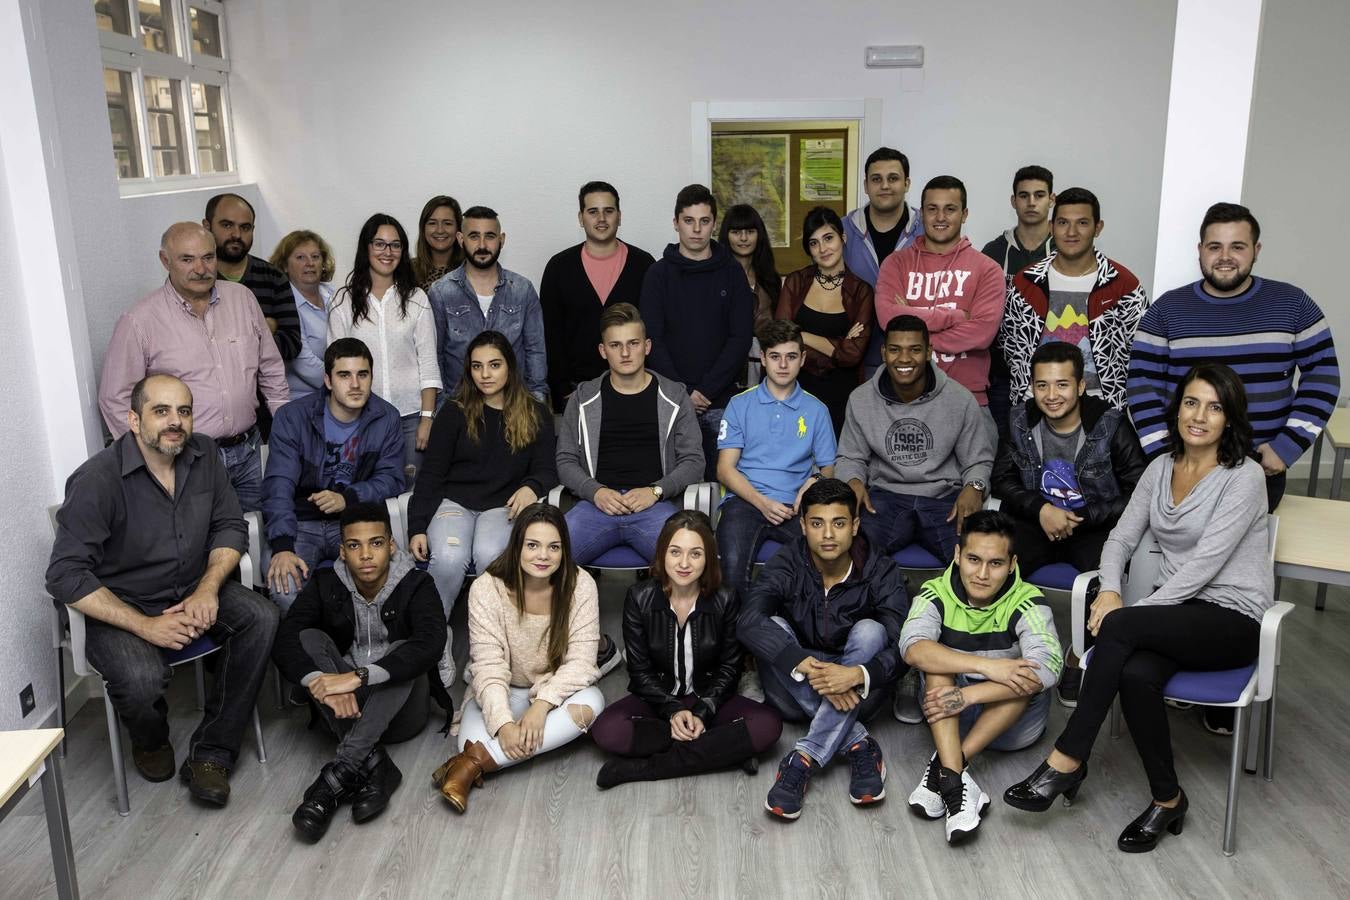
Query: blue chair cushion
(620,557)
(1224,686)
(1059,576)
(767,550)
(915,557)
(202,646)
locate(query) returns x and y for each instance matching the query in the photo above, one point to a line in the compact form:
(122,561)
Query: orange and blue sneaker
(789,786)
(867,773)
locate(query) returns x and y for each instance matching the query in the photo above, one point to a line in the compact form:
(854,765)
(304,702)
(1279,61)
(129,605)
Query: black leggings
(1138,649)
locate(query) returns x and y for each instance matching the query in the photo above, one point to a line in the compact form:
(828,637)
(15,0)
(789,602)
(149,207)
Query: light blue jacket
(515,312)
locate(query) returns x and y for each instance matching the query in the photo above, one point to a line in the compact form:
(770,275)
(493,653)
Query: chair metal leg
(1270,728)
(1253,741)
(115,746)
(1316,466)
(1239,746)
(200,669)
(60,701)
(257,735)
(281,689)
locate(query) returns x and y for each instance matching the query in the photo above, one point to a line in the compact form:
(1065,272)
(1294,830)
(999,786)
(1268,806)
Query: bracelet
(427,413)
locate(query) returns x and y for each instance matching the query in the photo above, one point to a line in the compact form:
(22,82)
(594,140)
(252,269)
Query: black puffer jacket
(649,628)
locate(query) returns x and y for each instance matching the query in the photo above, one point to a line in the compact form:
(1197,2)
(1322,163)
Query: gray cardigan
(1214,544)
(681,439)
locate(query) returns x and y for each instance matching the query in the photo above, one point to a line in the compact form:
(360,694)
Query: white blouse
(404,347)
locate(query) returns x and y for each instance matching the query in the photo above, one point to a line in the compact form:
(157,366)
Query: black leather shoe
(208,782)
(1142,835)
(156,764)
(336,784)
(382,778)
(1039,790)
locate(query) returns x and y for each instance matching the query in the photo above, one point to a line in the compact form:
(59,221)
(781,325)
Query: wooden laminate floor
(544,830)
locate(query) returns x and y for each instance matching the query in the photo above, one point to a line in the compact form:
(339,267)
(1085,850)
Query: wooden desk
(1337,433)
(1312,542)
(25,757)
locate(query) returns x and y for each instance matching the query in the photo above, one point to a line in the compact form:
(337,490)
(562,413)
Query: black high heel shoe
(1143,834)
(1039,790)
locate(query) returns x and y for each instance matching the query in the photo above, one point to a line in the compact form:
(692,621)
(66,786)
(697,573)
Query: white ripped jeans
(559,727)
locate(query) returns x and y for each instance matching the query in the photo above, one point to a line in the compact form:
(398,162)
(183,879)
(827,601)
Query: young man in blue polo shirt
(770,439)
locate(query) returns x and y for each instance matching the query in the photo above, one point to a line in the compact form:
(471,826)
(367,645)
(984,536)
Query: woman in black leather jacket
(682,715)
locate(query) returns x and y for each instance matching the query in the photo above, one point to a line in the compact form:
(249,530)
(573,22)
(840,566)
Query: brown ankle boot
(464,771)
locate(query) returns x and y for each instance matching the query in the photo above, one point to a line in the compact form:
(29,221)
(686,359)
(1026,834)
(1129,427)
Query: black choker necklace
(829,282)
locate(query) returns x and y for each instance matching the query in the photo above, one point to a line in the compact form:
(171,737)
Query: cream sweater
(510,649)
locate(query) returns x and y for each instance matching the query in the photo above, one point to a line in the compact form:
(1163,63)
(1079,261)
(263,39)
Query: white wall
(1297,183)
(345,108)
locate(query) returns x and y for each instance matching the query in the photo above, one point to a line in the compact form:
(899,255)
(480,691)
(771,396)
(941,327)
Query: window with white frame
(166,77)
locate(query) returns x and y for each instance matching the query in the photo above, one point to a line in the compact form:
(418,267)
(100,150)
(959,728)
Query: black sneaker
(1070,681)
(609,656)
(867,773)
(789,786)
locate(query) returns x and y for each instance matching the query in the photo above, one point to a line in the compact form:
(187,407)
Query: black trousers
(1082,550)
(1138,649)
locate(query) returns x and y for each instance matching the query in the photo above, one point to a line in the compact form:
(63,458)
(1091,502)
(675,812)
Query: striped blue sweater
(1263,334)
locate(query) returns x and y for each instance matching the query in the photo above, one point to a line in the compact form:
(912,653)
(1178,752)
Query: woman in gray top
(1205,503)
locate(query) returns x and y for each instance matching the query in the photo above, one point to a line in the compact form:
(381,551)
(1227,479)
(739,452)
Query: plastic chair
(1237,689)
(73,624)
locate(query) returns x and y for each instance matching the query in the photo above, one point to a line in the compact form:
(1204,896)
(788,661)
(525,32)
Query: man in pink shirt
(211,335)
(954,288)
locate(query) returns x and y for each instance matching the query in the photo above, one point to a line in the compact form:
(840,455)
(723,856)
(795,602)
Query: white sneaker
(908,707)
(965,808)
(446,667)
(749,686)
(925,799)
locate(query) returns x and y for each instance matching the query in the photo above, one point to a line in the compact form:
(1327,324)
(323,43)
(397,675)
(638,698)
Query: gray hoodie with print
(928,447)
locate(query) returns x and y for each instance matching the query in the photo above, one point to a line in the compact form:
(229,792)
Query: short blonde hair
(286,246)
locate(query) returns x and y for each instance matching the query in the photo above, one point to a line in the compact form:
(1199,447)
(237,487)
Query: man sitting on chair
(986,644)
(148,533)
(361,637)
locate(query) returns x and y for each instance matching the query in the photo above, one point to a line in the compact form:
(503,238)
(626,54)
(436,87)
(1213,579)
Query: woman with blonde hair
(308,262)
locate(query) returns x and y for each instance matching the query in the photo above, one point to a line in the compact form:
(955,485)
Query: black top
(572,308)
(273,290)
(630,438)
(884,241)
(120,529)
(480,474)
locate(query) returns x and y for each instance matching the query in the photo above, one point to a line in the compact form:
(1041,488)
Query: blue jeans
(593,532)
(458,538)
(244,466)
(411,455)
(137,674)
(1026,731)
(741,529)
(830,729)
(710,422)
(315,542)
(904,519)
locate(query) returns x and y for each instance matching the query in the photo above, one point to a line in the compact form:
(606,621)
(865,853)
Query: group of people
(906,380)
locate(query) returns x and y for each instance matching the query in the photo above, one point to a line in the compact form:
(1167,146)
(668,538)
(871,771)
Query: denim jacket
(515,312)
(1108,464)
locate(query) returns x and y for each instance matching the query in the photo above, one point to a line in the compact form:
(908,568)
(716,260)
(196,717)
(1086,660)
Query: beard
(480,262)
(1225,283)
(233,251)
(156,441)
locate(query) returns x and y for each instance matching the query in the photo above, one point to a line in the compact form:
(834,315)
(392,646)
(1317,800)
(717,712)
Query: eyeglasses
(380,245)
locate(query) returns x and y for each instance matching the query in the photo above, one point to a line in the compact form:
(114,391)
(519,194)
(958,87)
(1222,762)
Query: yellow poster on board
(822,170)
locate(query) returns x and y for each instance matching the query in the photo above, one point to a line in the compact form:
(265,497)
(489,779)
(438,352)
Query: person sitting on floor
(823,620)
(362,637)
(534,626)
(682,715)
(986,644)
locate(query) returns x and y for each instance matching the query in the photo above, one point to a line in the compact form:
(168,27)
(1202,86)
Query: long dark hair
(744,217)
(422,261)
(507,569)
(698,523)
(1235,443)
(358,282)
(520,414)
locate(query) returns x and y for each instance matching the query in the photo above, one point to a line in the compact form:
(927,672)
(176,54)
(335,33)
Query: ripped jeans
(459,537)
(559,727)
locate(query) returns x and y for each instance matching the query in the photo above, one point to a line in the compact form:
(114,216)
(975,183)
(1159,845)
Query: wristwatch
(428,414)
(978,485)
(364,674)
(656,489)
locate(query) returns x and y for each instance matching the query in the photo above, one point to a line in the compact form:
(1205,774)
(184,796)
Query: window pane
(205,32)
(112,16)
(126,136)
(157,25)
(208,121)
(164,115)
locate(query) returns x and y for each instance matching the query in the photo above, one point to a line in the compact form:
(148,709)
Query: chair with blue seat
(1238,689)
(701,496)
(72,623)
(1055,576)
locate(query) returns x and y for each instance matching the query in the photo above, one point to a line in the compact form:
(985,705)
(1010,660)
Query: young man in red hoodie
(954,288)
